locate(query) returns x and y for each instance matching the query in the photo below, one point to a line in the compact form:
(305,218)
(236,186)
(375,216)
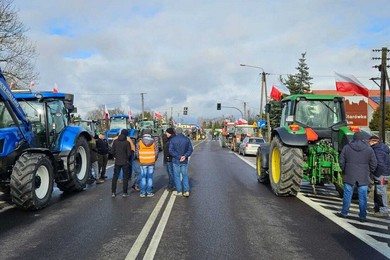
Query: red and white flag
(348,83)
(277,91)
(106,114)
(55,88)
(157,115)
(129,114)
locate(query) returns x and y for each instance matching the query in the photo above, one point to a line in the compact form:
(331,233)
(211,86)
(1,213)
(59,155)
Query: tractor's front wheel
(32,181)
(286,168)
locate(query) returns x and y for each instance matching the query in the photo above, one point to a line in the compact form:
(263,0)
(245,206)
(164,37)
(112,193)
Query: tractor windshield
(118,122)
(318,113)
(5,117)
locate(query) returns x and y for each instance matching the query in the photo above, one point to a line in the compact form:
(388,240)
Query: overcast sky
(188,53)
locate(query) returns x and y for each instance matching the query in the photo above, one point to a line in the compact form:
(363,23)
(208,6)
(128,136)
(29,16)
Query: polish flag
(129,114)
(242,121)
(157,115)
(348,83)
(106,114)
(278,91)
(32,84)
(55,90)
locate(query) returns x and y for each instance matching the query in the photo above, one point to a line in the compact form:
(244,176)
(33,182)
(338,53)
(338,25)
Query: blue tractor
(38,146)
(117,123)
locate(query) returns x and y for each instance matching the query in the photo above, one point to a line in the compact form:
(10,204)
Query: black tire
(78,167)
(286,168)
(32,181)
(262,176)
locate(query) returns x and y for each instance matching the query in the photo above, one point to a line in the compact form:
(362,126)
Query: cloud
(187,53)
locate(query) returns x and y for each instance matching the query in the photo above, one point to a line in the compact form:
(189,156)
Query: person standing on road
(122,153)
(180,148)
(381,175)
(94,163)
(170,133)
(147,152)
(358,161)
(102,153)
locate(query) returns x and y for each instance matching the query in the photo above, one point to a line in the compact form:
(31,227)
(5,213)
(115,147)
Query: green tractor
(312,132)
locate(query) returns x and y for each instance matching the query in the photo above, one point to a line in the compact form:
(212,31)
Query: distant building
(359,108)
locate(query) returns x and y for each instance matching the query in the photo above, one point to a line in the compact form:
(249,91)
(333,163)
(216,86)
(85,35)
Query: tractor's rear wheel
(32,181)
(262,176)
(78,166)
(286,168)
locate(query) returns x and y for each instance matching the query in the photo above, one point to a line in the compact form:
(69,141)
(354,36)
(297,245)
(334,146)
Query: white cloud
(187,53)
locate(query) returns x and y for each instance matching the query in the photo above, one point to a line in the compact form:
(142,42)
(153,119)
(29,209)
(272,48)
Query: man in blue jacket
(180,148)
(358,161)
(381,175)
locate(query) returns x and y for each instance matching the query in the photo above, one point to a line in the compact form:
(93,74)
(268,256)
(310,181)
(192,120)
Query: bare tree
(17,53)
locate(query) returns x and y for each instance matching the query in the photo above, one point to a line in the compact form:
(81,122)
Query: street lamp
(263,93)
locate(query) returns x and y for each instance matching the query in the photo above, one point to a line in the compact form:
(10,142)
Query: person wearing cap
(121,152)
(381,175)
(357,161)
(170,133)
(180,147)
(147,153)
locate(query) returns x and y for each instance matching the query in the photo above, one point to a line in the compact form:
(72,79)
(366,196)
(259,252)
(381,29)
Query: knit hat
(125,132)
(358,136)
(179,130)
(374,137)
(170,131)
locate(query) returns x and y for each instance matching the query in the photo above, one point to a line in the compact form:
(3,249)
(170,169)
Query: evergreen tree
(275,113)
(299,83)
(375,121)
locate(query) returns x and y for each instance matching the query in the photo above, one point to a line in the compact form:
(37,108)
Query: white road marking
(134,251)
(151,251)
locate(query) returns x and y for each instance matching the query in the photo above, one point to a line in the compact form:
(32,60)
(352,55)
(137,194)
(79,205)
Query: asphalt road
(228,216)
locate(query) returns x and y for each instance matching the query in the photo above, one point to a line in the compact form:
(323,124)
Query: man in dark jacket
(381,176)
(180,147)
(358,161)
(102,153)
(170,133)
(121,152)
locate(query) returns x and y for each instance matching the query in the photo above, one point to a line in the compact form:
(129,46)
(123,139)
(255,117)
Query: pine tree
(275,113)
(299,83)
(375,121)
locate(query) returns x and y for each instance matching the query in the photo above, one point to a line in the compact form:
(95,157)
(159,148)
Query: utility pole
(142,106)
(245,112)
(383,69)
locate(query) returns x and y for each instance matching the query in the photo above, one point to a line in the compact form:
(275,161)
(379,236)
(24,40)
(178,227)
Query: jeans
(380,195)
(347,198)
(171,176)
(181,170)
(117,169)
(146,179)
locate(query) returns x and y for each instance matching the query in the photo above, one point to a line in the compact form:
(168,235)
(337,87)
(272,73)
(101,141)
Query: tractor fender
(45,151)
(70,136)
(263,152)
(290,138)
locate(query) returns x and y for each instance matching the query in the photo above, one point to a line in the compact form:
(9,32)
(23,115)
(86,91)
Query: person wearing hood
(357,161)
(170,133)
(381,175)
(147,152)
(121,152)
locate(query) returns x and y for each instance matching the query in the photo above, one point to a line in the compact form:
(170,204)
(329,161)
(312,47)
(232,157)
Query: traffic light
(185,111)
(218,106)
